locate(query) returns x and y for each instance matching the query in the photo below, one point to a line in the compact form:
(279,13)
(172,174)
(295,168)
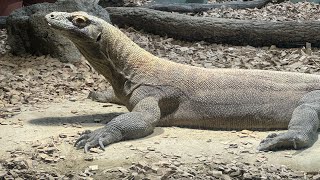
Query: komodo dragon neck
(117,58)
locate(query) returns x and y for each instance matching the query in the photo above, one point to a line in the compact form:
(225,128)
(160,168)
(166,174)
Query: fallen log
(196,7)
(218,30)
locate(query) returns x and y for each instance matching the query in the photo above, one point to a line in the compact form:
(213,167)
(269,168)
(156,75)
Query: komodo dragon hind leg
(302,129)
(136,124)
(107,96)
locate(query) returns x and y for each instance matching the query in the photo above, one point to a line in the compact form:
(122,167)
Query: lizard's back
(233,98)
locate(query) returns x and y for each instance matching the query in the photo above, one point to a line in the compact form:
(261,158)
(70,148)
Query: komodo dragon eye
(80,21)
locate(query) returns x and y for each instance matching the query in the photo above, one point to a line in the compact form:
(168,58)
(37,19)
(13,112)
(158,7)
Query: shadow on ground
(92,118)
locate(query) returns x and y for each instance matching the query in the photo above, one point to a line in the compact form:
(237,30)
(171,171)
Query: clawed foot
(287,140)
(98,138)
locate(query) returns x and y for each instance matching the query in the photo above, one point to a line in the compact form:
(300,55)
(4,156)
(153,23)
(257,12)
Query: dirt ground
(38,143)
(42,139)
(43,109)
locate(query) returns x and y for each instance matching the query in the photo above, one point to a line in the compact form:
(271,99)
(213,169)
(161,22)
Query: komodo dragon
(159,92)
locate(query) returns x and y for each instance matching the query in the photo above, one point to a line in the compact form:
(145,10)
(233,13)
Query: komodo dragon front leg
(138,123)
(302,129)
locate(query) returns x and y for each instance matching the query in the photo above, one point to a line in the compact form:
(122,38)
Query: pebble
(316,177)
(88,158)
(96,150)
(3,173)
(93,168)
(151,148)
(63,136)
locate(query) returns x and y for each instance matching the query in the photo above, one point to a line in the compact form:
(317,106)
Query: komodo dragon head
(104,46)
(78,26)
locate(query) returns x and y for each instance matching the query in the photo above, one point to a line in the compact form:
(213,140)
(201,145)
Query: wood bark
(218,30)
(196,8)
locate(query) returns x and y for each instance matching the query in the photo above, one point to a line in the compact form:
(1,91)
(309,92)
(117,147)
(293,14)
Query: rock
(3,173)
(316,177)
(93,168)
(63,135)
(28,31)
(96,150)
(217,174)
(151,149)
(88,158)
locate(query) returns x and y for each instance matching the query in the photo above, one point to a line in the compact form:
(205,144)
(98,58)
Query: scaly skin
(164,93)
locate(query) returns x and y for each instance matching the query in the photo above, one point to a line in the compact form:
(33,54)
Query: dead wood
(196,7)
(218,30)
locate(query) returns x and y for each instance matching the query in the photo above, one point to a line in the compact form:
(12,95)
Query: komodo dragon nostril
(52,16)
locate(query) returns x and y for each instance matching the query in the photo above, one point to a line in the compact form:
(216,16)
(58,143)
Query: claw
(294,144)
(81,144)
(101,144)
(82,137)
(87,148)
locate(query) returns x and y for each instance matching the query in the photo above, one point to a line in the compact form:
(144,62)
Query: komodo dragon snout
(160,92)
(77,25)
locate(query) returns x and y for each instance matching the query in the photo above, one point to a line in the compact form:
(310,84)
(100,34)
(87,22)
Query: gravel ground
(286,11)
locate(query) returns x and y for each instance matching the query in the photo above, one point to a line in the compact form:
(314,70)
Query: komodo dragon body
(161,92)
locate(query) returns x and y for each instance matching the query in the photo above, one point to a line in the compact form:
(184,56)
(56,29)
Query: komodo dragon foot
(302,129)
(136,124)
(287,140)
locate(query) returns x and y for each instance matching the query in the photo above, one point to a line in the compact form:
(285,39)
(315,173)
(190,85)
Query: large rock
(29,32)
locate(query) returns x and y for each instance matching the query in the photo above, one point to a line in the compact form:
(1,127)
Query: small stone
(123,170)
(142,164)
(96,150)
(88,158)
(233,145)
(288,155)
(4,122)
(176,163)
(73,99)
(3,173)
(134,175)
(107,105)
(43,156)
(49,150)
(93,168)
(62,157)
(216,174)
(49,159)
(202,159)
(316,177)
(247,176)
(154,168)
(151,149)
(63,136)
(273,47)
(15,99)
(74,111)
